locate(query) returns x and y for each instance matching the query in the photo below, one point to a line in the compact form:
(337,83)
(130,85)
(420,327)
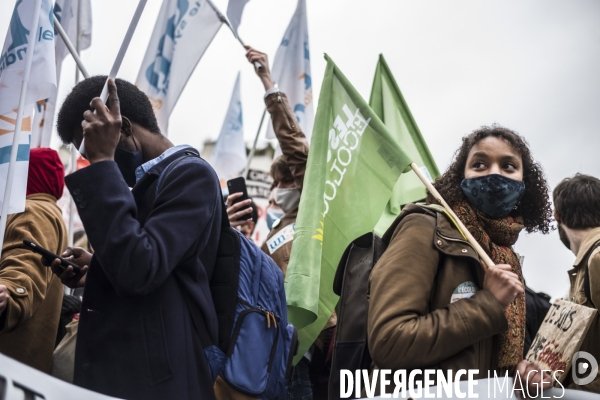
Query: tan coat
(29,323)
(420,313)
(590,258)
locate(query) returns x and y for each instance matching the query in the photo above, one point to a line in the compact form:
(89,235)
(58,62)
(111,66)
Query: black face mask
(495,195)
(563,237)
(128,162)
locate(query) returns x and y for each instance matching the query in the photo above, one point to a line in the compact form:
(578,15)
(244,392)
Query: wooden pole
(482,254)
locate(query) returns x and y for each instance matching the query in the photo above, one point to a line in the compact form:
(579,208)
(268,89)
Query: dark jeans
(299,387)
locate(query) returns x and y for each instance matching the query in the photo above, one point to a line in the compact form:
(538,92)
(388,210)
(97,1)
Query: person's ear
(556,216)
(126,126)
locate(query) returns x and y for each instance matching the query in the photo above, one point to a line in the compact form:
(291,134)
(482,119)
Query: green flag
(353,164)
(389,105)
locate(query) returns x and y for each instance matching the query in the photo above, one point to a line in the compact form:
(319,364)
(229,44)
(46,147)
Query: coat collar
(42,197)
(447,239)
(587,243)
(153,173)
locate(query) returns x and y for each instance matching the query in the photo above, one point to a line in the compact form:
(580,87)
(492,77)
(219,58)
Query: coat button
(20,290)
(439,242)
(464,250)
(79,198)
(76,192)
(82,204)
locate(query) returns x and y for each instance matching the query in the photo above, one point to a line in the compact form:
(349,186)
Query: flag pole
(472,241)
(75,55)
(74,52)
(15,144)
(120,55)
(253,150)
(226,22)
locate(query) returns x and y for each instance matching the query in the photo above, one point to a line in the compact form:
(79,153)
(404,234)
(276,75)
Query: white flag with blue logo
(183,32)
(42,84)
(66,12)
(235,8)
(228,157)
(291,71)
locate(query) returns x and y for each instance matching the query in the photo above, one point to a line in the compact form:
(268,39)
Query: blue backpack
(256,343)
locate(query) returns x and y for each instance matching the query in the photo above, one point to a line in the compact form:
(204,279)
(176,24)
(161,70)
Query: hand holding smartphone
(238,185)
(50,256)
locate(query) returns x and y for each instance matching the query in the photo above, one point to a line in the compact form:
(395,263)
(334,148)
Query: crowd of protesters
(135,337)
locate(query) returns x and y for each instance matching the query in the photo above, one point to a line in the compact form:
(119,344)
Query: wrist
(267,82)
(94,160)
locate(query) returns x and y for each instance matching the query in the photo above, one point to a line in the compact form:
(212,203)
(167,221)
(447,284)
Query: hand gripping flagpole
(120,55)
(487,261)
(15,144)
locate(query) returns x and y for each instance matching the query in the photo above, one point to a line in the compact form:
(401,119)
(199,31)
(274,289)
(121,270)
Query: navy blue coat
(136,338)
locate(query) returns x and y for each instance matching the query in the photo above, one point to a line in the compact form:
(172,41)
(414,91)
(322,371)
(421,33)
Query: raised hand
(263,73)
(102,129)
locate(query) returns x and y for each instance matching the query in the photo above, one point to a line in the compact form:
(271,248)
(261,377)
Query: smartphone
(237,185)
(50,255)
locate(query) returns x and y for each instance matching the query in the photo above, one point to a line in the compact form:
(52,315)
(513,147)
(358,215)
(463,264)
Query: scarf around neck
(496,236)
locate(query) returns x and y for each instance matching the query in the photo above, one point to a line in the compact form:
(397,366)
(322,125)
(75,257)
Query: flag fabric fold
(67,13)
(182,33)
(353,164)
(291,71)
(389,105)
(228,157)
(235,8)
(42,84)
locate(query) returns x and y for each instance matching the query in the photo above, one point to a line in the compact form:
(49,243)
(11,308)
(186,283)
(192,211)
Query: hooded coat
(29,324)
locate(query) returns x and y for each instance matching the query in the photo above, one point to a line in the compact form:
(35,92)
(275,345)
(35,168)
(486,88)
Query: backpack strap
(586,279)
(216,275)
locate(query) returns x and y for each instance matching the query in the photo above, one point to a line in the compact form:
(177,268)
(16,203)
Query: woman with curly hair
(433,305)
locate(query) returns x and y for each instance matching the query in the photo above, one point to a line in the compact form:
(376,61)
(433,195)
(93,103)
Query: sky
(531,66)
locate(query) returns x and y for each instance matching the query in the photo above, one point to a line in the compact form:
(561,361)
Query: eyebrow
(483,154)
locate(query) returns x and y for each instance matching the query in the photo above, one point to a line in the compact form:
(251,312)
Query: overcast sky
(532,66)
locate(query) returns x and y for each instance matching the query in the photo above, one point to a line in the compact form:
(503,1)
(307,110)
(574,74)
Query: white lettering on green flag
(353,164)
(389,104)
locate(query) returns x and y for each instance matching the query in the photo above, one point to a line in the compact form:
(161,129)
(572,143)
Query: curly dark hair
(534,206)
(134,105)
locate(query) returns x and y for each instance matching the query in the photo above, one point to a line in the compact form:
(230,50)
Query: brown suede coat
(420,312)
(589,258)
(294,148)
(29,323)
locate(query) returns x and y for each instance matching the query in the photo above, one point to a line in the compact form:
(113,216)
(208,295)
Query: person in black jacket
(136,337)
